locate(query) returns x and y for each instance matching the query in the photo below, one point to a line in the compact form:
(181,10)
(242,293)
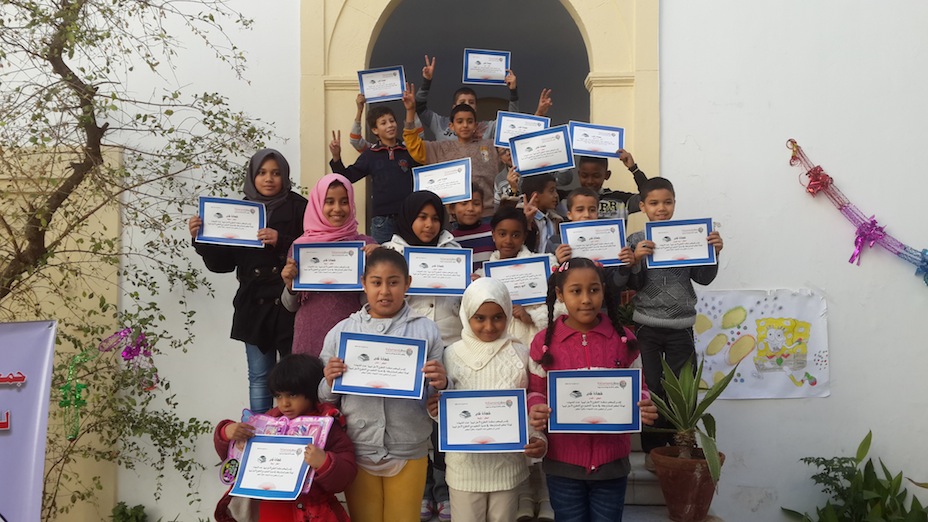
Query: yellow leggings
(388,499)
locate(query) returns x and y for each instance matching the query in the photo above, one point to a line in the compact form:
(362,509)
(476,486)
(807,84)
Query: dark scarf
(409,211)
(251,192)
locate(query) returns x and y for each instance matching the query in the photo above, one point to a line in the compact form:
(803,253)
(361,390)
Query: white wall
(210,380)
(846,79)
(738,78)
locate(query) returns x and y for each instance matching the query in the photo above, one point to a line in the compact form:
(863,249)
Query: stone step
(643,488)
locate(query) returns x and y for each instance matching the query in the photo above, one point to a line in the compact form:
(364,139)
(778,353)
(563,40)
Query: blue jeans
(587,500)
(382,228)
(259,366)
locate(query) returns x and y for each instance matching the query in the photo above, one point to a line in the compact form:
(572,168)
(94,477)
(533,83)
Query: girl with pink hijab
(330,216)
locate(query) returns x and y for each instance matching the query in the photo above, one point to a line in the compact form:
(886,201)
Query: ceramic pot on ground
(686,483)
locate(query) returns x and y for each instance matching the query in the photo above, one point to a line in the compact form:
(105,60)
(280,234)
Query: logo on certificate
(508,403)
(465,414)
(408,352)
(364,357)
(623,384)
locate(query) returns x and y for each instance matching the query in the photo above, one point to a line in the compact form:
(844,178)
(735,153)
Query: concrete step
(643,488)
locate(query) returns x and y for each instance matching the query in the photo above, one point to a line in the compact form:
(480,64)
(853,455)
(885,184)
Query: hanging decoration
(869,231)
(136,352)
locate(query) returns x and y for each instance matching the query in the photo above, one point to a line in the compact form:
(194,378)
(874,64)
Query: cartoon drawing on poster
(777,338)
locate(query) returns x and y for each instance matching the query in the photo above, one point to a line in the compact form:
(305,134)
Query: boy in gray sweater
(665,302)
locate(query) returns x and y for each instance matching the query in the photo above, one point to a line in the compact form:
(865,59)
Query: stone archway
(621,38)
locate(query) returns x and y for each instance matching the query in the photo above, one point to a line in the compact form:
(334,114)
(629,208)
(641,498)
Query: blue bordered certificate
(329,267)
(231,222)
(525,277)
(542,151)
(449,180)
(486,67)
(273,468)
(596,140)
(383,84)
(678,243)
(482,421)
(599,239)
(512,124)
(381,365)
(594,401)
(438,271)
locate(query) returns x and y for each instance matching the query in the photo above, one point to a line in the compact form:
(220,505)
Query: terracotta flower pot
(686,483)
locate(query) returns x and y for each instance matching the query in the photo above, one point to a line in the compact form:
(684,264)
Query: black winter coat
(259,317)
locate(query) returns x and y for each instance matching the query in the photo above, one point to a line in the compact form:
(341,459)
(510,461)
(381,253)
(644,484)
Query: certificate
(598,240)
(231,222)
(482,421)
(438,271)
(542,151)
(596,140)
(273,468)
(486,67)
(525,277)
(335,266)
(680,243)
(450,180)
(381,366)
(383,84)
(594,401)
(512,124)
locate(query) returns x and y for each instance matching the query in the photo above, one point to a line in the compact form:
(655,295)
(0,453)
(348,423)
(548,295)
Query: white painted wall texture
(846,79)
(738,79)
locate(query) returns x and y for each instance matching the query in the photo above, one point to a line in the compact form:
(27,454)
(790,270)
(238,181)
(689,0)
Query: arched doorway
(620,39)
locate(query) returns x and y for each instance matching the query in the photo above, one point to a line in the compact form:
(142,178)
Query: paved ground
(643,514)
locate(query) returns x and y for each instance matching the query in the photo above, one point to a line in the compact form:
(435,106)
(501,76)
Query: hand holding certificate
(680,243)
(381,365)
(486,67)
(230,222)
(542,151)
(594,401)
(596,140)
(484,421)
(599,240)
(438,271)
(383,84)
(273,468)
(335,266)
(449,180)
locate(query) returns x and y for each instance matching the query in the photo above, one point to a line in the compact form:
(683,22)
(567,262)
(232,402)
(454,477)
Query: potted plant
(688,472)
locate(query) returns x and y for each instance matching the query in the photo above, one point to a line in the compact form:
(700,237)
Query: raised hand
(335,146)
(429,68)
(510,79)
(544,102)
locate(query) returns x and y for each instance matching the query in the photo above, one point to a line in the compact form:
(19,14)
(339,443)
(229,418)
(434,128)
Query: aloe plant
(686,412)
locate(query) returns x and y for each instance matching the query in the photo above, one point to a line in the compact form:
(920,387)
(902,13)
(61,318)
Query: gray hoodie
(383,428)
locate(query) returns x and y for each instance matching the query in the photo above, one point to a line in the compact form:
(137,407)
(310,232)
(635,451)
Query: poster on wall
(778,339)
(26,351)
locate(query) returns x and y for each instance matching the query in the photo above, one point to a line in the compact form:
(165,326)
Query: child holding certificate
(260,320)
(295,381)
(481,151)
(420,223)
(330,216)
(509,231)
(391,435)
(587,473)
(484,485)
(389,165)
(665,302)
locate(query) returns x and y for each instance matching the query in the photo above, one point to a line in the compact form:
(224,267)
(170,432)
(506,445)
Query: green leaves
(684,409)
(859,493)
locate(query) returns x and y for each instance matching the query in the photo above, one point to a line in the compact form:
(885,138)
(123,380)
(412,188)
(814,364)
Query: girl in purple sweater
(330,216)
(587,473)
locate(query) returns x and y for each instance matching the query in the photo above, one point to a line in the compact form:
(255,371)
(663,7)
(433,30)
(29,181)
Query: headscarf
(251,191)
(484,290)
(409,211)
(316,228)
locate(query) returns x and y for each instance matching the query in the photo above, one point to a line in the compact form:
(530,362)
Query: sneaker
(649,463)
(444,511)
(426,513)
